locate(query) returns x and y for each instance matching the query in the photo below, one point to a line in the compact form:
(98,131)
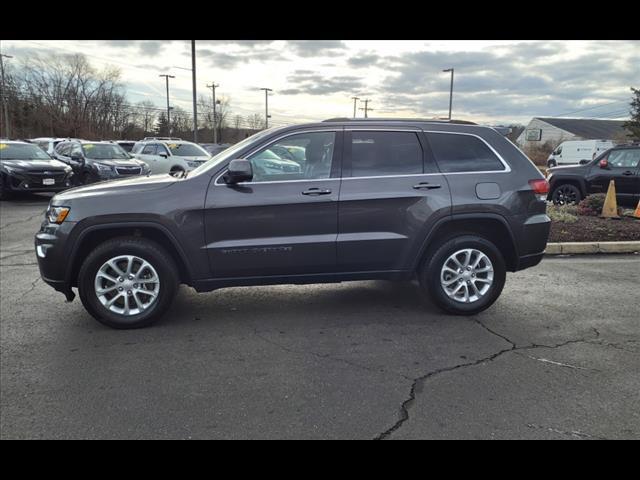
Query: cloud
(317,48)
(313,83)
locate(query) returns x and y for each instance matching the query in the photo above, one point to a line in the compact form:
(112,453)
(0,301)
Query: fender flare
(133,224)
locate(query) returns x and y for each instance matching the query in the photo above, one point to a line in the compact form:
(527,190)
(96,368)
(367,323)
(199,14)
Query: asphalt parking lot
(557,357)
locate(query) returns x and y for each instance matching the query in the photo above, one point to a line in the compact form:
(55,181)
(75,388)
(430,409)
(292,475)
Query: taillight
(540,186)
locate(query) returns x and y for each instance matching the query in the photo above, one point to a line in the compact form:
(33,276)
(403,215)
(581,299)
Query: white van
(574,151)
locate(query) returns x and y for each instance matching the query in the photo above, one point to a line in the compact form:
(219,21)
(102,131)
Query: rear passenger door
(391,196)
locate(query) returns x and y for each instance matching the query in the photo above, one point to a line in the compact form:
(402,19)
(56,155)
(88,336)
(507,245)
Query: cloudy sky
(495,81)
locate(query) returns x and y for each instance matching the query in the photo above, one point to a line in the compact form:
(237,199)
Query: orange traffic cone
(636,214)
(610,207)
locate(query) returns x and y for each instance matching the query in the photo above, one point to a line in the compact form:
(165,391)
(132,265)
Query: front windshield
(229,153)
(104,151)
(20,151)
(187,150)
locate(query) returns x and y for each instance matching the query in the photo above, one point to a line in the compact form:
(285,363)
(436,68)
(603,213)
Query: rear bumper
(533,241)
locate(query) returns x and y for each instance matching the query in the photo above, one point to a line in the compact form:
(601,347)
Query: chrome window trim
(502,160)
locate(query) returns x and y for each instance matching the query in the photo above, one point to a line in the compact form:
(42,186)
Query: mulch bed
(596,229)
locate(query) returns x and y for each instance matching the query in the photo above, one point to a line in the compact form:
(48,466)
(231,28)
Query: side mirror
(584,161)
(240,170)
(603,163)
(163,155)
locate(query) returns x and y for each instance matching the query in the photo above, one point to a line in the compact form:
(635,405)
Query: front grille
(38,175)
(128,170)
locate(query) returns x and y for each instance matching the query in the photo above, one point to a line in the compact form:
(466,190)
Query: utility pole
(167,77)
(215,123)
(195,103)
(450,91)
(366,108)
(355,100)
(4,97)
(266,106)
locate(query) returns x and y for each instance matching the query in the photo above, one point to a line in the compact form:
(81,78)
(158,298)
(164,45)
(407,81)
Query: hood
(35,164)
(197,158)
(123,186)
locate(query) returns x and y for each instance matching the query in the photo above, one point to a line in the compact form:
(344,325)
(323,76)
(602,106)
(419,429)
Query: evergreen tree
(634,124)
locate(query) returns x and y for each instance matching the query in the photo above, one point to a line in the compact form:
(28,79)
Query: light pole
(4,96)
(193,79)
(167,77)
(266,106)
(215,123)
(450,91)
(366,108)
(355,99)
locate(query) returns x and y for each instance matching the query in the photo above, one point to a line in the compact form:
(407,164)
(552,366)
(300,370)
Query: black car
(25,167)
(97,161)
(455,205)
(570,184)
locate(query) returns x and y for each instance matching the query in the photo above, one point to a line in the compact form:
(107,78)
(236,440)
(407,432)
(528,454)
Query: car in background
(269,163)
(48,144)
(24,167)
(576,151)
(97,161)
(170,155)
(570,184)
(215,148)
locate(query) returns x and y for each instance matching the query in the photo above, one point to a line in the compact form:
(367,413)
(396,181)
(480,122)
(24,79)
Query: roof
(588,128)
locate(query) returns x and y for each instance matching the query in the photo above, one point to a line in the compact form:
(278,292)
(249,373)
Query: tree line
(65,96)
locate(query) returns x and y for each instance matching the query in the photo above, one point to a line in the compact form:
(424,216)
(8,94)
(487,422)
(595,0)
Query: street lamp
(450,91)
(167,77)
(266,106)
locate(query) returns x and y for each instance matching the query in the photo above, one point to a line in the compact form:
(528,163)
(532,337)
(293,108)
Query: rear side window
(462,153)
(376,154)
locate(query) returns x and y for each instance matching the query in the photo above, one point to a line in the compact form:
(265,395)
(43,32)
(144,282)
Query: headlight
(193,164)
(102,167)
(12,169)
(57,214)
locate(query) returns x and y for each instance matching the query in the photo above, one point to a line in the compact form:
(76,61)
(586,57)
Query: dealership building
(557,130)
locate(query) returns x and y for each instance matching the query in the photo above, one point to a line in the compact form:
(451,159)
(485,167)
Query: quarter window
(303,156)
(376,154)
(462,153)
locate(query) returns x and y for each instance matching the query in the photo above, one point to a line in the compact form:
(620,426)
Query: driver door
(285,220)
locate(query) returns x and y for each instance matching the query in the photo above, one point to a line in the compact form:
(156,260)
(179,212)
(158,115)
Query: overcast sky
(495,81)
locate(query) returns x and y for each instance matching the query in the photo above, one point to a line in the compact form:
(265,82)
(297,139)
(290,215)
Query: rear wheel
(465,275)
(176,172)
(566,194)
(128,282)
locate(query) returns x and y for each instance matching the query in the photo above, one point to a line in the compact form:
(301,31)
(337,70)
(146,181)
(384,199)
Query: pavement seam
(24,220)
(419,381)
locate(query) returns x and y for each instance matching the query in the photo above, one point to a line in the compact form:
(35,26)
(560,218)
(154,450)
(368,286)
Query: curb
(566,248)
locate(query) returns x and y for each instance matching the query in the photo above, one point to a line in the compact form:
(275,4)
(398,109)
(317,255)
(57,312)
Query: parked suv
(456,205)
(167,155)
(621,164)
(97,161)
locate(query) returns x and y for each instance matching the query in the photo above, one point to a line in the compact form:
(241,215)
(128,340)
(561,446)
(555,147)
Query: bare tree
(255,121)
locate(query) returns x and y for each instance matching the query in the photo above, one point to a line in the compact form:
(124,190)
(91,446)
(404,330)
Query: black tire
(146,249)
(429,274)
(552,163)
(566,194)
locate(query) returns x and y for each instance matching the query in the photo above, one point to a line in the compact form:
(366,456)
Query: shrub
(592,204)
(563,213)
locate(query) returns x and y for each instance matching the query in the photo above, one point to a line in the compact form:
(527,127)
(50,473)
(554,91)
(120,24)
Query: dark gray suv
(455,205)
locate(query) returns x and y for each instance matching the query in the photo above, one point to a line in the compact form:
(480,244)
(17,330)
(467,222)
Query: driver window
(297,157)
(76,151)
(624,158)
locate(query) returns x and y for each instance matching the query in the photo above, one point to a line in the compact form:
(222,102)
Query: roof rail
(431,120)
(161,138)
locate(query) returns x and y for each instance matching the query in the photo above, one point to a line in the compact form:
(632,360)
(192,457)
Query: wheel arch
(575,181)
(493,227)
(92,236)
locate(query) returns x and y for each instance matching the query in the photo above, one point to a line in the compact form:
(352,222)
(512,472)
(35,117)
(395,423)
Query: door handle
(316,191)
(628,172)
(426,186)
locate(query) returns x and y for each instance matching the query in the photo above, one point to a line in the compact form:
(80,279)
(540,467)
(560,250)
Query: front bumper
(50,244)
(34,182)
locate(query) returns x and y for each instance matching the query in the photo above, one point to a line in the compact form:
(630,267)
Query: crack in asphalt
(16,264)
(33,286)
(419,381)
(328,357)
(17,254)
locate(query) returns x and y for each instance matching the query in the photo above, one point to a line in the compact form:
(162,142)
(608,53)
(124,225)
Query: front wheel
(465,275)
(128,282)
(552,163)
(176,172)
